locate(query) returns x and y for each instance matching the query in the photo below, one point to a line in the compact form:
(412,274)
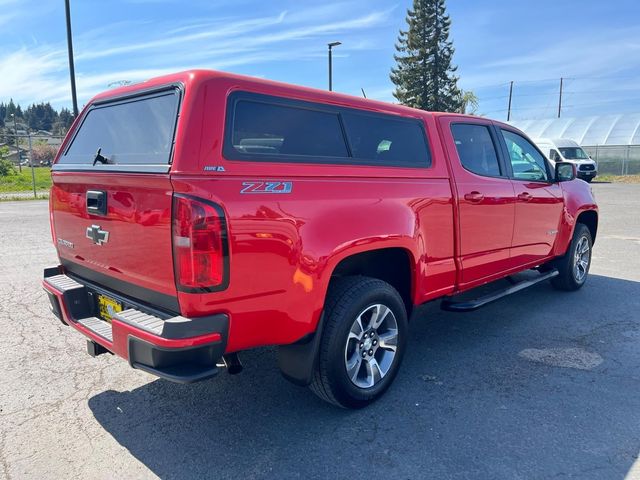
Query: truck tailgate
(128,247)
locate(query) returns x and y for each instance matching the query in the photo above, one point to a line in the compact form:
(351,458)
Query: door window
(475,148)
(526,161)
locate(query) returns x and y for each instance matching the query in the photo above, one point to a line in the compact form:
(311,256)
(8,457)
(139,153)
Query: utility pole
(510,96)
(15,129)
(72,71)
(331,45)
(560,99)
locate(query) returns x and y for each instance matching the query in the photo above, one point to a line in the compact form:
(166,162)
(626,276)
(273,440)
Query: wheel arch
(297,361)
(590,219)
(394,265)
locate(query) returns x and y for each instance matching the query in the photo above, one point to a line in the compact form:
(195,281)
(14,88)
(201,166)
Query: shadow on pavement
(466,404)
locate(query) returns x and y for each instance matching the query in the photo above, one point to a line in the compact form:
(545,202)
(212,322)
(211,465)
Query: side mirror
(565,171)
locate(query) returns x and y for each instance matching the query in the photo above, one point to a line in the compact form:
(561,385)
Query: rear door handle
(525,197)
(474,197)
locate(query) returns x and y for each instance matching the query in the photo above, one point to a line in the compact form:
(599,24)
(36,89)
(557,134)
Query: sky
(593,44)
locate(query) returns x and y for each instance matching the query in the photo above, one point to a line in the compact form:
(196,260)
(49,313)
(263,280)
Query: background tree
(6,167)
(38,116)
(63,123)
(424,75)
(468,102)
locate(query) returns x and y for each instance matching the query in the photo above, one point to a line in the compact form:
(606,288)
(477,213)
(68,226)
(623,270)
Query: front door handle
(474,197)
(525,197)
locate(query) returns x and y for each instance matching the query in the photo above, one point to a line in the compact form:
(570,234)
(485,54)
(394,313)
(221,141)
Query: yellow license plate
(108,307)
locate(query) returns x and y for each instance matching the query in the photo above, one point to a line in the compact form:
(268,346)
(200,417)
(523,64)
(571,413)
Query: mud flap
(298,361)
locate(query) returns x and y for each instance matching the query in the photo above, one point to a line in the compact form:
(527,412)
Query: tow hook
(232,362)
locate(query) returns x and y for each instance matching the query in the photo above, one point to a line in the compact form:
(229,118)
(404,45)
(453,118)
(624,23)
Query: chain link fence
(616,159)
(31,156)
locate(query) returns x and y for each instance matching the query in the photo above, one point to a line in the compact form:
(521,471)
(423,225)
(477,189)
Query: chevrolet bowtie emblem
(96,235)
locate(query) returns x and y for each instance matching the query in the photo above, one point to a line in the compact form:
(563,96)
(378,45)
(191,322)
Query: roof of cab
(193,78)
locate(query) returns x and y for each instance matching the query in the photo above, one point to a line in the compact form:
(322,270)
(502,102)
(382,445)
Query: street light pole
(15,129)
(72,71)
(331,45)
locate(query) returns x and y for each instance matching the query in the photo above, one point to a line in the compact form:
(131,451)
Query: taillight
(200,251)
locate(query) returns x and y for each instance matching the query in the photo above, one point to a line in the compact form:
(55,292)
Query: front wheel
(363,341)
(573,267)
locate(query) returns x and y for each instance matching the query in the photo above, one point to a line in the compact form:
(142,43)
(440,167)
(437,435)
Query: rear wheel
(363,341)
(573,267)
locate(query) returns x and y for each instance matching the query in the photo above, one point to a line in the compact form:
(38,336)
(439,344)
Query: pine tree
(424,76)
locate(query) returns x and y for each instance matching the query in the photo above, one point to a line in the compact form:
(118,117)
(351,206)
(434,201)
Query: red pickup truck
(200,214)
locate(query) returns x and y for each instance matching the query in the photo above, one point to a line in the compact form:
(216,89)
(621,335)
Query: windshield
(138,131)
(574,153)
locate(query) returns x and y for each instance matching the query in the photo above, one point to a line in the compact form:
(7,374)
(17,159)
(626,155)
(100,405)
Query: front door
(539,201)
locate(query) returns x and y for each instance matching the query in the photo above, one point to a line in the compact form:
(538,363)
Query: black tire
(588,179)
(348,299)
(569,278)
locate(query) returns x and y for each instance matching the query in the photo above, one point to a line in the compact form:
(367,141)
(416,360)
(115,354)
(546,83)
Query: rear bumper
(179,349)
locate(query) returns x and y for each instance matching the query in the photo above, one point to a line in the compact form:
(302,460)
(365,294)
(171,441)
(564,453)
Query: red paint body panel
(539,208)
(283,249)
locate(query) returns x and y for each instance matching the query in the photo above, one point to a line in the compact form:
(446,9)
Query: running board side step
(451,305)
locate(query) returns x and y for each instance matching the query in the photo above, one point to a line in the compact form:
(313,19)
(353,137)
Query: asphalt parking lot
(543,384)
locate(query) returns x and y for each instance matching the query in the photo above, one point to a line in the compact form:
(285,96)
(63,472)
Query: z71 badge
(266,187)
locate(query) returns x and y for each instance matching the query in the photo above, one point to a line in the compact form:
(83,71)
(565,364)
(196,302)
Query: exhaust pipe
(232,362)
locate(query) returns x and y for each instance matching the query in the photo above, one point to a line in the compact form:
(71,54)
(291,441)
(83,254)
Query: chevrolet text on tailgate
(201,214)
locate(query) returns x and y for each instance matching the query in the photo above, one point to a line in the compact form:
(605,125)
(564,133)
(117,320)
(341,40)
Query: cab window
(526,161)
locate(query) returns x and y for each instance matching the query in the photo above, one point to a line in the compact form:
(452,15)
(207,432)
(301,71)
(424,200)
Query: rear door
(111,196)
(539,200)
(485,195)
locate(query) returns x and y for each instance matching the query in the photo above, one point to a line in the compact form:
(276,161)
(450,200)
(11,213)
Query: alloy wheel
(371,345)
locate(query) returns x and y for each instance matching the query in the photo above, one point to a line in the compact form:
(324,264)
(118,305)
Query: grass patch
(23,198)
(21,181)
(618,178)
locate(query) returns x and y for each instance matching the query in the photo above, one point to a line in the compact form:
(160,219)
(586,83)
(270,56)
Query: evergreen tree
(11,108)
(424,76)
(65,117)
(38,116)
(41,116)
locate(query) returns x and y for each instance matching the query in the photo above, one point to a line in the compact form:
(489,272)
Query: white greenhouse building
(612,140)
